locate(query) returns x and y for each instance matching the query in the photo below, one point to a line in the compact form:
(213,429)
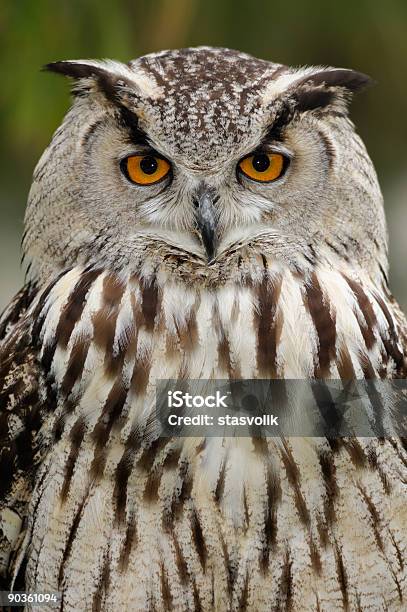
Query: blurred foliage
(368,35)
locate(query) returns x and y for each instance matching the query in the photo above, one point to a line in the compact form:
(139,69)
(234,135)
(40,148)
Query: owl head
(205,154)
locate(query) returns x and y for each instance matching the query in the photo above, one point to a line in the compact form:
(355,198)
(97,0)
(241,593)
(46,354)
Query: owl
(199,214)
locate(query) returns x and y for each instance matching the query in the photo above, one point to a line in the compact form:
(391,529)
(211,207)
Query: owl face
(205,152)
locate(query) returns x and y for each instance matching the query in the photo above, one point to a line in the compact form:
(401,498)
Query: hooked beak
(206,219)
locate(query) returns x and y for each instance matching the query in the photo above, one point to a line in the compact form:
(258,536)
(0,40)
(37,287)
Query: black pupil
(260,163)
(149,165)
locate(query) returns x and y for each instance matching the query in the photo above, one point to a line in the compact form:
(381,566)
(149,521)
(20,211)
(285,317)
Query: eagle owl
(199,214)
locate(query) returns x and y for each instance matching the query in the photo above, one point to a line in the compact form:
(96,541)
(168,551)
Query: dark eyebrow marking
(283,118)
(126,119)
(300,101)
(129,121)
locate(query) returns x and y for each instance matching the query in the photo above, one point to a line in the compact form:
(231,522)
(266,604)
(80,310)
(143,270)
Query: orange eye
(145,169)
(263,167)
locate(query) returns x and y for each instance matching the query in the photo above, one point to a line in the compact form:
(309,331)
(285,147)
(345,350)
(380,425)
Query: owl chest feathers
(96,323)
(105,339)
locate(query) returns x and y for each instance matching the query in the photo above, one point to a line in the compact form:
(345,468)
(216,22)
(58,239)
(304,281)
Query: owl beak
(206,219)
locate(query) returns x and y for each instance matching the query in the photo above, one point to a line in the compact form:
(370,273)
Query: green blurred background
(368,35)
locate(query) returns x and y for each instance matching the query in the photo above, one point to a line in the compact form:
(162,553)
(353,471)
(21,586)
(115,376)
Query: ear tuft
(103,76)
(75,70)
(327,88)
(349,80)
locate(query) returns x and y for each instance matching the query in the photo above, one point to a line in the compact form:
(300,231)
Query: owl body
(206,273)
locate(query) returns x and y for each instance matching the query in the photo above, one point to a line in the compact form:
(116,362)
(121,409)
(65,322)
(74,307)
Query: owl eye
(263,167)
(145,169)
